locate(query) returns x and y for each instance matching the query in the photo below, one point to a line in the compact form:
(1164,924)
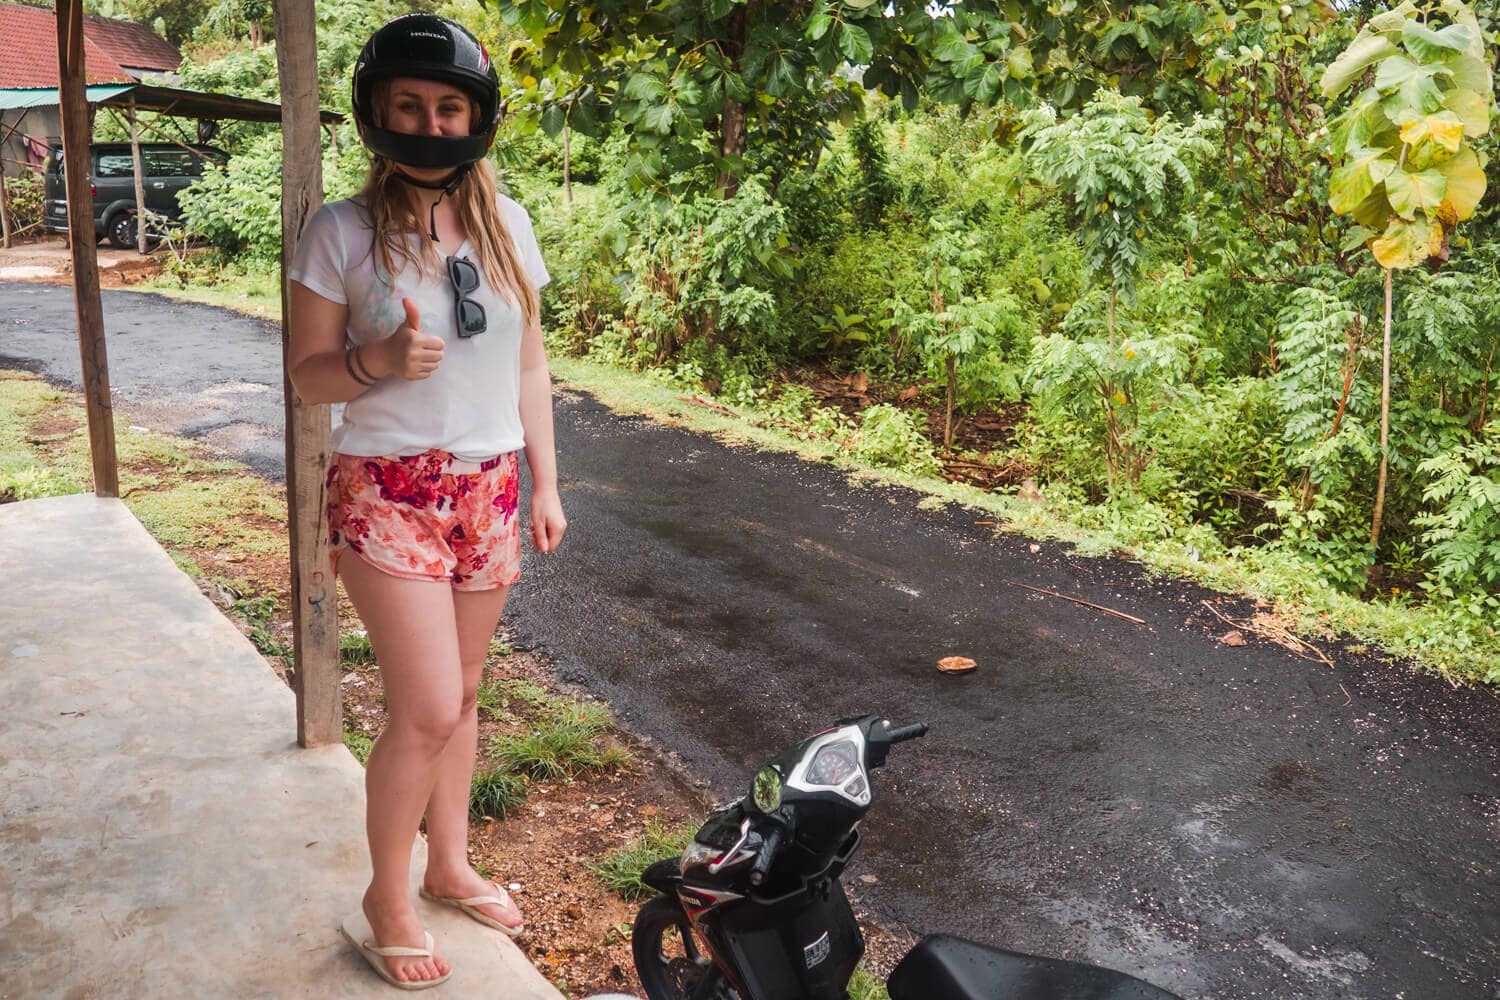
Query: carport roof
(166,100)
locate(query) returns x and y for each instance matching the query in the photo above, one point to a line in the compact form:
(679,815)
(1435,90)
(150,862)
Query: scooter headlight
(766,792)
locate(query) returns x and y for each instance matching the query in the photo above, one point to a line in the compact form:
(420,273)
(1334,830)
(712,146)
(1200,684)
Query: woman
(415,303)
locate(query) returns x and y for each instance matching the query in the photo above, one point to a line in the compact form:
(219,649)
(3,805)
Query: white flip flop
(356,930)
(470,907)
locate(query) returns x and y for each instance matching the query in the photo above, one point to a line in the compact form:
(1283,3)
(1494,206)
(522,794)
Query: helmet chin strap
(447,186)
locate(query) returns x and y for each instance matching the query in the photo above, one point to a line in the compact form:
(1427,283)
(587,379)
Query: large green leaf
(1472,109)
(1019,63)
(1413,82)
(1466,183)
(644,87)
(1471,73)
(1353,181)
(1366,51)
(1411,193)
(1427,44)
(855,44)
(1374,212)
(1394,19)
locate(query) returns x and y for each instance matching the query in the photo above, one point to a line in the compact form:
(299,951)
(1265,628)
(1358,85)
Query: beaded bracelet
(349,360)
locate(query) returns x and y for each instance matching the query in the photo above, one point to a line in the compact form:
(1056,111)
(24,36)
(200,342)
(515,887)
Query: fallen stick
(700,401)
(1079,600)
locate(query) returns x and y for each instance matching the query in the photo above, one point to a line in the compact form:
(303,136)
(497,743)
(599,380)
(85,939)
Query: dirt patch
(48,260)
(976,436)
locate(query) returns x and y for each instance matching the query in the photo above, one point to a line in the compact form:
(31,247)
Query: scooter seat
(949,968)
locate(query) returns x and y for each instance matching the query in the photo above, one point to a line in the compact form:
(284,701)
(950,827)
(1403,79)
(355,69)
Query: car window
(171,163)
(115,165)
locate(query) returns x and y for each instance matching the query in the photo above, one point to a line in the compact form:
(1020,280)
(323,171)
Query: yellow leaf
(1444,129)
(1407,244)
(528,80)
(1119,397)
(1466,183)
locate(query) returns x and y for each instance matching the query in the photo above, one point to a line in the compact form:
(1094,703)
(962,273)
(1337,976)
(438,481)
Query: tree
(714,91)
(1407,171)
(1125,175)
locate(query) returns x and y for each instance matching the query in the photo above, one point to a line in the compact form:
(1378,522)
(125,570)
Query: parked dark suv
(169,169)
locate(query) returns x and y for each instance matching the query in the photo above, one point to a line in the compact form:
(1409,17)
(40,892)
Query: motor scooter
(754,909)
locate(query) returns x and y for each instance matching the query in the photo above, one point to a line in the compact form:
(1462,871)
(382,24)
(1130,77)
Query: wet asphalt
(1225,822)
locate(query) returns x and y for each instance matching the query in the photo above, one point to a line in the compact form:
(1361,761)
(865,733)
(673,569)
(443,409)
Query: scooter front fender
(664,876)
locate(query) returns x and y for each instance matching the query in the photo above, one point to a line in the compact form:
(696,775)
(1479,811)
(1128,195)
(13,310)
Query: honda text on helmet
(427,47)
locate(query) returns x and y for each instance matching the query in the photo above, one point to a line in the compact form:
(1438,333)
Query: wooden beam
(86,299)
(315,622)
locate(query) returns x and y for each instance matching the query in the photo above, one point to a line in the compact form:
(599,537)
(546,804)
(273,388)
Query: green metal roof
(14,98)
(163,100)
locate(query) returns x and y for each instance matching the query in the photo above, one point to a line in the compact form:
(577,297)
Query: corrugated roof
(28,55)
(131,44)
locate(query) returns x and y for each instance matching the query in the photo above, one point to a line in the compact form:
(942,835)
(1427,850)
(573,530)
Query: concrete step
(162,834)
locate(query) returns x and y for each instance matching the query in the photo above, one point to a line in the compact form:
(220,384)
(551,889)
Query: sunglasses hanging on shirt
(470,314)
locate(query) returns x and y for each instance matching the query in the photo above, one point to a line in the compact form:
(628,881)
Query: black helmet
(427,47)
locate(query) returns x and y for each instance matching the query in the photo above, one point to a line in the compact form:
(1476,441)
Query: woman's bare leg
(448,870)
(412,629)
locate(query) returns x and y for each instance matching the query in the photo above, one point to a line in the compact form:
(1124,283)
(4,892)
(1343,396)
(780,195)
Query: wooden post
(315,623)
(140,182)
(75,129)
(4,209)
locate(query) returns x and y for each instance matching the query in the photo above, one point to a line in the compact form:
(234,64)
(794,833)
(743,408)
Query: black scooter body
(759,885)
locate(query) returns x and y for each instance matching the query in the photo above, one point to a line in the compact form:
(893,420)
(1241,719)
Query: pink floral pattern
(429,516)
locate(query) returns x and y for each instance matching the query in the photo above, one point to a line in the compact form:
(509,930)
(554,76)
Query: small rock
(1035,548)
(514,886)
(868,879)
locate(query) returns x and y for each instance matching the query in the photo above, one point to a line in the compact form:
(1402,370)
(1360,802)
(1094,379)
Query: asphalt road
(1226,822)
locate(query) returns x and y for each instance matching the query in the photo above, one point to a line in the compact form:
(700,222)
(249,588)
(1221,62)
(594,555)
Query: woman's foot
(466,883)
(396,923)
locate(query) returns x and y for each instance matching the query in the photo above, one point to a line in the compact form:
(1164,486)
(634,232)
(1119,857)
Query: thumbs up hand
(409,352)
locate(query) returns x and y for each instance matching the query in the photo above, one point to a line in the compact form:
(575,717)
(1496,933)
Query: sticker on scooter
(817,951)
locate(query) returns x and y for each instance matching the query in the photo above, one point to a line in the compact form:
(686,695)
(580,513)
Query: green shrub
(495,792)
(24,195)
(620,870)
(893,439)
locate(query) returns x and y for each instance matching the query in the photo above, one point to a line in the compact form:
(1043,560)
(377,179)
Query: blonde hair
(395,213)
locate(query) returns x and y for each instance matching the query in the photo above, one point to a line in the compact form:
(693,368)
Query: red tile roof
(131,44)
(28,48)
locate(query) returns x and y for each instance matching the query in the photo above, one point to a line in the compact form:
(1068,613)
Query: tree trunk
(732,118)
(1385,422)
(315,626)
(1113,296)
(567,164)
(948,410)
(731,143)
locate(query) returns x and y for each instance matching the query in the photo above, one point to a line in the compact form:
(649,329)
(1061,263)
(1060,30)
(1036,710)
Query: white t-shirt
(469,406)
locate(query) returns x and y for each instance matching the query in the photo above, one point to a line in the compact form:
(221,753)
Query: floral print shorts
(428,517)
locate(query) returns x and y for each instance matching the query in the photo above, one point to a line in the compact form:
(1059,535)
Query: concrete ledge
(161,833)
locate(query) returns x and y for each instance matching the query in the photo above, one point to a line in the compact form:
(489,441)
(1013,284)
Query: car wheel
(121,231)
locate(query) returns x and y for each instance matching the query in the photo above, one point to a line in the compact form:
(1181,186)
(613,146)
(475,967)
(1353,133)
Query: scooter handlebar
(766,856)
(900,734)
